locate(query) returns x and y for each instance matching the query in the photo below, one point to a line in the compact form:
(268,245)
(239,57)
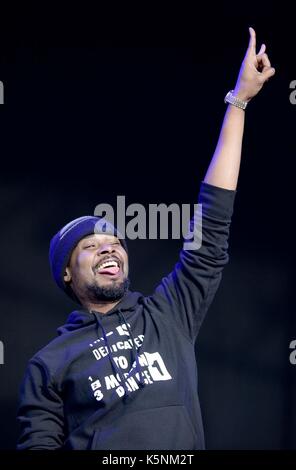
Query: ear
(67,275)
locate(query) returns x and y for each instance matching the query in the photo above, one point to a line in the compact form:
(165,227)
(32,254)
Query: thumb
(262,49)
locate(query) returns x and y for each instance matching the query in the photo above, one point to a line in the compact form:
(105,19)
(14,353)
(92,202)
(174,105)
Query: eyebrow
(92,237)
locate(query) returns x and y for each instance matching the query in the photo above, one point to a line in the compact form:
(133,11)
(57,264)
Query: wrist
(241,95)
(235,100)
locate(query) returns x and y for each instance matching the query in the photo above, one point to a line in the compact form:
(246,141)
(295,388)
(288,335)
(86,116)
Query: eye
(91,245)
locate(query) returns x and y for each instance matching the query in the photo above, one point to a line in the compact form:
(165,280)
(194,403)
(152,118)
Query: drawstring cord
(115,367)
(136,356)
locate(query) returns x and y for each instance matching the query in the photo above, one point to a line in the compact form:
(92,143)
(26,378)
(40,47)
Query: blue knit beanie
(64,242)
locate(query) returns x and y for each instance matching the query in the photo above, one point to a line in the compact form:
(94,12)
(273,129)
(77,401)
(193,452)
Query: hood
(80,318)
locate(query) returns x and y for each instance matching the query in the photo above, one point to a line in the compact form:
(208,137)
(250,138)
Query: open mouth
(109,267)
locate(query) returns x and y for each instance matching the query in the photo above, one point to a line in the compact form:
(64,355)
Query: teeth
(107,263)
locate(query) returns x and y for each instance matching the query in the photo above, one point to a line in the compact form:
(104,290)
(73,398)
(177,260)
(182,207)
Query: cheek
(125,270)
(83,265)
(126,267)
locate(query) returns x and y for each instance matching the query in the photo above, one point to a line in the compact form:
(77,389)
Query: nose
(106,248)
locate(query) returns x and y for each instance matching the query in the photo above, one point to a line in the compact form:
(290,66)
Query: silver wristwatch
(230,98)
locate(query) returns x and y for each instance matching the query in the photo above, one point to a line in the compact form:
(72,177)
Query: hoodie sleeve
(187,292)
(40,413)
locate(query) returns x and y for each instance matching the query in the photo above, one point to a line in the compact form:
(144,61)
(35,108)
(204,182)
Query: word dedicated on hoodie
(153,366)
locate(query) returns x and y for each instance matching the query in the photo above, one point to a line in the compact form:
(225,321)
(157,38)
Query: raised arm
(255,70)
(190,288)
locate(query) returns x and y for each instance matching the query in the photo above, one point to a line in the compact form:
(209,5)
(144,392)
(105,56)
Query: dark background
(131,103)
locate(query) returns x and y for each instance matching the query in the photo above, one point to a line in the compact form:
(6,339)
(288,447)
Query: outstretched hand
(254,72)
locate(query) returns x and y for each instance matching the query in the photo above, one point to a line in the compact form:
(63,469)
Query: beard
(111,293)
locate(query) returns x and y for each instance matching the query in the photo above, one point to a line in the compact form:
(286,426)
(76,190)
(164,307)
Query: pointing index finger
(252,42)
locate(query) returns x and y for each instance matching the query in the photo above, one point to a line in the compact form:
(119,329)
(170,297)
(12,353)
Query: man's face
(98,268)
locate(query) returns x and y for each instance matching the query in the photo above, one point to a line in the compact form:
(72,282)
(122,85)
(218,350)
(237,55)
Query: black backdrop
(134,107)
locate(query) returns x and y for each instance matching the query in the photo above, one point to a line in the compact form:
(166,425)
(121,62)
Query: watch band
(230,98)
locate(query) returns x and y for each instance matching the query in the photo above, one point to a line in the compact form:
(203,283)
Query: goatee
(110,293)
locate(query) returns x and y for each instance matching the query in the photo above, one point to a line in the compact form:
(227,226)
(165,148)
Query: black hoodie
(127,379)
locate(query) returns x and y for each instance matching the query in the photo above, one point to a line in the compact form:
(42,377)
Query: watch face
(230,98)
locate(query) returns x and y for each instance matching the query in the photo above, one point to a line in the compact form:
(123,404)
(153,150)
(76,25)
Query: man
(122,372)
